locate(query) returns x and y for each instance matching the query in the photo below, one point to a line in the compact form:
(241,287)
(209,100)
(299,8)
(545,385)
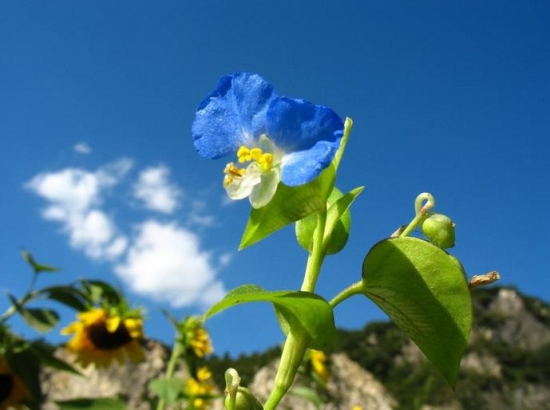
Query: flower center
(105,340)
(6,386)
(263,160)
(231,173)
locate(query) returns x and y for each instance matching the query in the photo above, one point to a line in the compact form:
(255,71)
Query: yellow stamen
(231,173)
(243,154)
(265,160)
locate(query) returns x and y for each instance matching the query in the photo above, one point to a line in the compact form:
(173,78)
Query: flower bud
(440,230)
(245,400)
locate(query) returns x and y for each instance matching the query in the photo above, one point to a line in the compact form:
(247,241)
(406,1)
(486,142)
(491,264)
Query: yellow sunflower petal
(134,326)
(113,323)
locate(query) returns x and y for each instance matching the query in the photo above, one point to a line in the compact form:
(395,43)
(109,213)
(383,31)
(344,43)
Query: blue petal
(308,134)
(233,114)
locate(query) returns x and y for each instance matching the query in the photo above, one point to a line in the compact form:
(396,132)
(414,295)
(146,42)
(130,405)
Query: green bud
(440,230)
(245,400)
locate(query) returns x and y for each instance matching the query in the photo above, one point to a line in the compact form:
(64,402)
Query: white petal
(264,191)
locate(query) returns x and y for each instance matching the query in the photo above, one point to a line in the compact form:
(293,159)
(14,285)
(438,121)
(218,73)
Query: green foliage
(167,389)
(424,291)
(302,312)
(246,364)
(37,267)
(337,226)
(40,319)
(92,404)
(289,205)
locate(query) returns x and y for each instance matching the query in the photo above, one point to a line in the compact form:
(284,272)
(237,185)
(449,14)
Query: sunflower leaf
(306,311)
(67,295)
(40,319)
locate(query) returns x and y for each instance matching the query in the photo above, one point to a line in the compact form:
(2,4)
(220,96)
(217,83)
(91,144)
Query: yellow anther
(231,172)
(243,154)
(255,154)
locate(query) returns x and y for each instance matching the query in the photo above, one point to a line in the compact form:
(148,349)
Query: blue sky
(100,177)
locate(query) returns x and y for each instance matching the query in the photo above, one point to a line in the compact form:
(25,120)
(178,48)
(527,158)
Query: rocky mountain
(506,367)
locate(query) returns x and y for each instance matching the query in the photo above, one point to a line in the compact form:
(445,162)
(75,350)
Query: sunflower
(319,364)
(199,389)
(194,338)
(200,342)
(101,337)
(12,390)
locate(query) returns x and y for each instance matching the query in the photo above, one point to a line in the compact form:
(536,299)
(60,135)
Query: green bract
(289,204)
(337,226)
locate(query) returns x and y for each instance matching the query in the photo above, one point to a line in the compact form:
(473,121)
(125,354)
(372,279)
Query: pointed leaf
(40,319)
(296,310)
(37,267)
(66,295)
(288,205)
(424,291)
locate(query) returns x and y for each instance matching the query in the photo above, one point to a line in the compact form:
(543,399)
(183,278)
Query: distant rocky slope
(506,367)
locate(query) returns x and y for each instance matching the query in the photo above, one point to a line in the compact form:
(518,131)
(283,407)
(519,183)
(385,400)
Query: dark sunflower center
(6,386)
(105,340)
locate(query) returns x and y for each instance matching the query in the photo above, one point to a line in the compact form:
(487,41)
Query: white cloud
(74,197)
(162,261)
(82,148)
(154,189)
(166,263)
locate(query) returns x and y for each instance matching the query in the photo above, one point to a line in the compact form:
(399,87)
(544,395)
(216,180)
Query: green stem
(296,345)
(170,369)
(355,289)
(421,209)
(317,255)
(293,353)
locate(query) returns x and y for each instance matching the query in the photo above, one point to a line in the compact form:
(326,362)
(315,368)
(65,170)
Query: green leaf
(37,267)
(337,225)
(167,389)
(288,205)
(104,403)
(98,291)
(40,319)
(424,291)
(25,365)
(307,393)
(67,295)
(300,311)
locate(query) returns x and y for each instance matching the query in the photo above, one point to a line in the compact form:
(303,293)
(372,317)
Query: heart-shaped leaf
(424,291)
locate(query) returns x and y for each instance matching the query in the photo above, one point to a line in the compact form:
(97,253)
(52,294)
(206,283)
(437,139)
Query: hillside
(506,366)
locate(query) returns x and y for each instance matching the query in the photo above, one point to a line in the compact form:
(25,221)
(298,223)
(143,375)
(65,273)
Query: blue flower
(276,139)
